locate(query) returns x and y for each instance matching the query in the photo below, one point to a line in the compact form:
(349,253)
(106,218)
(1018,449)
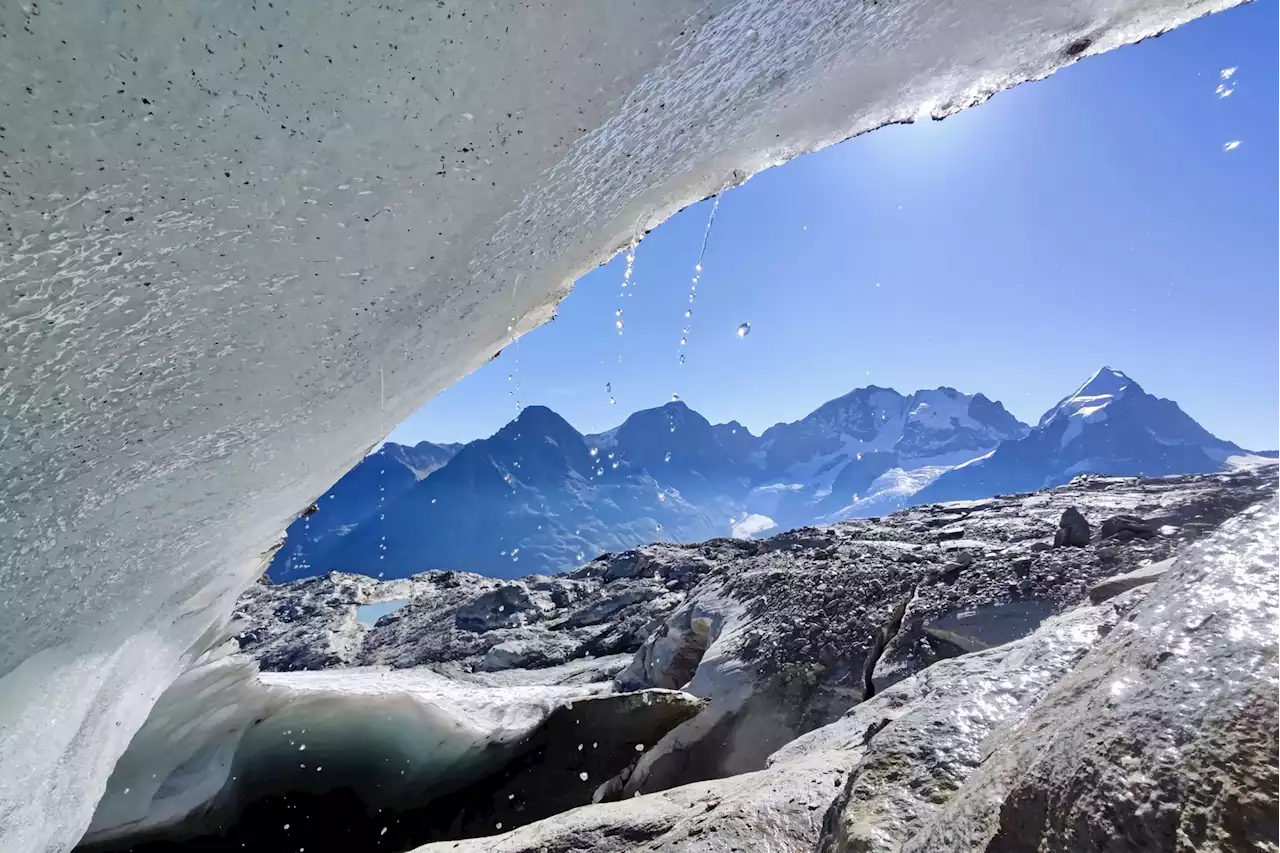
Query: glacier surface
(224,735)
(244,239)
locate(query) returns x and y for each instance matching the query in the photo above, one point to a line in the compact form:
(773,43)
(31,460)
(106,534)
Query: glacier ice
(226,224)
(224,735)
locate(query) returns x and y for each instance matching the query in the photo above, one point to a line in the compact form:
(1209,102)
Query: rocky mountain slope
(851,673)
(362,493)
(540,496)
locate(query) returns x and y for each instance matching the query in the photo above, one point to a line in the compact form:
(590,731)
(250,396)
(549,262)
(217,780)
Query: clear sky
(1092,218)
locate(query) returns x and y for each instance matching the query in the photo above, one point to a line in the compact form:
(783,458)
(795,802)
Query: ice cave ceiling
(229,226)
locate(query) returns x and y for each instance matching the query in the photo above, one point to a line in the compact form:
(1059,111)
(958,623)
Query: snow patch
(752,525)
(890,491)
(1087,410)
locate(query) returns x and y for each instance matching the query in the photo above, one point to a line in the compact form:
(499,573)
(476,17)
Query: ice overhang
(244,238)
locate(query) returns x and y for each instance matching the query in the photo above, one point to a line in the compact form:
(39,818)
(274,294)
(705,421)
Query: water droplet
(684,341)
(594,451)
(618,313)
(1226,73)
(618,323)
(661,496)
(744,330)
(583,776)
(675,398)
(615,465)
(608,387)
(1231,146)
(667,458)
(612,402)
(682,358)
(689,313)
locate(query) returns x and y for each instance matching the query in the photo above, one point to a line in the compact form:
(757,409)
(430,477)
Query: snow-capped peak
(1090,399)
(1106,382)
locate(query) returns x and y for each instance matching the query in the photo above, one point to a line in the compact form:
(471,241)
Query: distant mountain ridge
(540,496)
(1110,425)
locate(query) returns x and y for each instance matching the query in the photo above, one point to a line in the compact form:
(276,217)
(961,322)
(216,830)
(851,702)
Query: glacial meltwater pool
(368,614)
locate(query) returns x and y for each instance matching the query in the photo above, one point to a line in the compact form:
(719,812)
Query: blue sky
(1092,218)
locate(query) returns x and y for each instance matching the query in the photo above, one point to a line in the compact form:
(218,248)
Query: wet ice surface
(226,734)
(1162,728)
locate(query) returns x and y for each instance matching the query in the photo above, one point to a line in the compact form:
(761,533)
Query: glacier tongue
(229,220)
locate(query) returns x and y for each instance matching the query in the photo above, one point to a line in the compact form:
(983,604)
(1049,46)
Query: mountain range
(539,496)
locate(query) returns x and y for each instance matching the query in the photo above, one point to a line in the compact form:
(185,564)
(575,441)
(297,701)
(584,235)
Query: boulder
(507,606)
(1117,584)
(1125,527)
(1073,530)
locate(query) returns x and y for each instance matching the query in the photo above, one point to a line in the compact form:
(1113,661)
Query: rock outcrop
(1073,530)
(1146,722)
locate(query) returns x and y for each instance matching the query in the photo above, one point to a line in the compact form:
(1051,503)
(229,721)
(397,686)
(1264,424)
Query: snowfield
(248,238)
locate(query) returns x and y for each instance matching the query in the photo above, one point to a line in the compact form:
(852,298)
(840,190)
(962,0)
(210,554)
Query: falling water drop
(612,402)
(1231,146)
(619,323)
(667,458)
(594,451)
(675,398)
(697,274)
(744,330)
(608,387)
